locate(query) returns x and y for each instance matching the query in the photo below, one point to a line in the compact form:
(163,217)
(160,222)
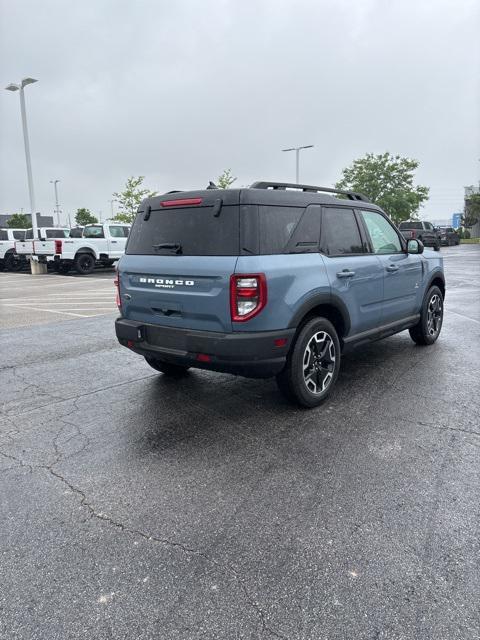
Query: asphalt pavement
(133,506)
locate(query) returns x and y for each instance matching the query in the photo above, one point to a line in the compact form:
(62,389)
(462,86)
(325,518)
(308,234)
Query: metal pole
(297,166)
(56,202)
(29,164)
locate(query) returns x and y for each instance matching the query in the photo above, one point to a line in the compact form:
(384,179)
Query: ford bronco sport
(272,280)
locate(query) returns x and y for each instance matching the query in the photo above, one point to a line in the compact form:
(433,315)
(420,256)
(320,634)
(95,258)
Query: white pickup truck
(99,244)
(26,247)
(8,257)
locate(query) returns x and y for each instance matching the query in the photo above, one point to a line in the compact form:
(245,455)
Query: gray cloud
(177,91)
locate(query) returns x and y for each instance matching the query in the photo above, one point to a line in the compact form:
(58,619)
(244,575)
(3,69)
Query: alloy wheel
(319,362)
(434,315)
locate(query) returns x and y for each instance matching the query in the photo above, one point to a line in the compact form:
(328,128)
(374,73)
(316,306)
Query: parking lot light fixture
(20,87)
(297,159)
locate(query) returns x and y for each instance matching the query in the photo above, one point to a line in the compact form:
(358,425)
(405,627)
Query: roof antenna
(212,185)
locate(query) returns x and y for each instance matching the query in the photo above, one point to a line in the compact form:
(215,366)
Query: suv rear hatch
(180,254)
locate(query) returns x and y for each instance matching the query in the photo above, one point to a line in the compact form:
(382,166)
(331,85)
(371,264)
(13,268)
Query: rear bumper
(250,354)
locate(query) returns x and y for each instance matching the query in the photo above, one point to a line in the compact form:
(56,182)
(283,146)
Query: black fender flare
(316,300)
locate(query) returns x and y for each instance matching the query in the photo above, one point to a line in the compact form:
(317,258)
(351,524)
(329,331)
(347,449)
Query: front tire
(312,365)
(84,263)
(169,369)
(428,329)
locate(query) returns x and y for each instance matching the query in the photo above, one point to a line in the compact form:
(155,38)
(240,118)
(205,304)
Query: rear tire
(169,369)
(312,364)
(429,326)
(84,263)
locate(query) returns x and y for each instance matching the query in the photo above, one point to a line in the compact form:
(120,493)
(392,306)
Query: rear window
(194,229)
(411,225)
(19,235)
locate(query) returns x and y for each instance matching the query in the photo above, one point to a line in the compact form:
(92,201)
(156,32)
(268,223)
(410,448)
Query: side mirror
(414,246)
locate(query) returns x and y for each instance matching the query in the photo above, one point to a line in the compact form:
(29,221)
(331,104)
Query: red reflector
(186,202)
(130,343)
(202,357)
(280,342)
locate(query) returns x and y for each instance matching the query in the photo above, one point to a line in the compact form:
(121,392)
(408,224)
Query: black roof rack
(351,195)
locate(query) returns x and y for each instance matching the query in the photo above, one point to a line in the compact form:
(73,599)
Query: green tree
(19,221)
(472,210)
(130,198)
(226,179)
(84,216)
(388,181)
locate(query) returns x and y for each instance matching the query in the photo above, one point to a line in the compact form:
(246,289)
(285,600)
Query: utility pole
(57,210)
(111,206)
(20,87)
(297,159)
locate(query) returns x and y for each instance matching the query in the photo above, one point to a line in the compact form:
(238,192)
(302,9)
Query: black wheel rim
(85,263)
(319,362)
(434,315)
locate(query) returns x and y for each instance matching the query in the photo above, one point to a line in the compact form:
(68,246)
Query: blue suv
(273,280)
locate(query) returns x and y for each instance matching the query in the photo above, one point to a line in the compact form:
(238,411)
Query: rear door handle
(392,268)
(346,273)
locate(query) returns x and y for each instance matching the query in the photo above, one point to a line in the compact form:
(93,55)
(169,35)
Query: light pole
(54,182)
(20,87)
(297,159)
(111,206)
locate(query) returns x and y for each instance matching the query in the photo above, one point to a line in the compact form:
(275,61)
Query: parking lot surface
(136,506)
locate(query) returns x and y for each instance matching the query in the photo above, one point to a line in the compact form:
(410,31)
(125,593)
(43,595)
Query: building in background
(42,221)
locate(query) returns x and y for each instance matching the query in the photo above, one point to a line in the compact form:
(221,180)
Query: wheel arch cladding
(327,307)
(437,280)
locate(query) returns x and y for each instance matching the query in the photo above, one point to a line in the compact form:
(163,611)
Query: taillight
(118,300)
(248,295)
(58,246)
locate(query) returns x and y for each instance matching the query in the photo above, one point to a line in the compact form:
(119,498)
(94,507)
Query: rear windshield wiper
(172,246)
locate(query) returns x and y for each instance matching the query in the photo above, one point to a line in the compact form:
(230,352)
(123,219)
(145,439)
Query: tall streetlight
(297,159)
(111,206)
(57,210)
(20,87)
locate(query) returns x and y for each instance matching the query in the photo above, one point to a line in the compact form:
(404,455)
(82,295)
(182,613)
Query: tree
(226,179)
(388,181)
(472,210)
(130,198)
(84,216)
(19,221)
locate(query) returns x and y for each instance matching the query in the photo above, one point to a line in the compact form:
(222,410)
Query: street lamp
(20,87)
(297,159)
(54,182)
(111,205)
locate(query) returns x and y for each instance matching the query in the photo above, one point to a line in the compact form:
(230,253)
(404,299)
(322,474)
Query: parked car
(9,260)
(423,231)
(26,246)
(99,244)
(272,280)
(448,236)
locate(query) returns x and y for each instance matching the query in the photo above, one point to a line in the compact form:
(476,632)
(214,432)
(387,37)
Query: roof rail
(351,195)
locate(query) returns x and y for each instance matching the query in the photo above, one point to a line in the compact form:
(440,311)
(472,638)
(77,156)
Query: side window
(3,234)
(340,234)
(19,235)
(428,225)
(276,227)
(116,232)
(383,236)
(95,231)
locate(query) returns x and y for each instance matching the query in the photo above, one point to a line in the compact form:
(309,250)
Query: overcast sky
(178,91)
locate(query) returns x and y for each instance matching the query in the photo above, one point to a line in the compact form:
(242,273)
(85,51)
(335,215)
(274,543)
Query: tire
(312,364)
(428,329)
(10,264)
(84,263)
(169,369)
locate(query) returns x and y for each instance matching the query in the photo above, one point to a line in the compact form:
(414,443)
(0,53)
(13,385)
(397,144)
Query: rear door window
(118,231)
(340,234)
(190,231)
(56,233)
(95,231)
